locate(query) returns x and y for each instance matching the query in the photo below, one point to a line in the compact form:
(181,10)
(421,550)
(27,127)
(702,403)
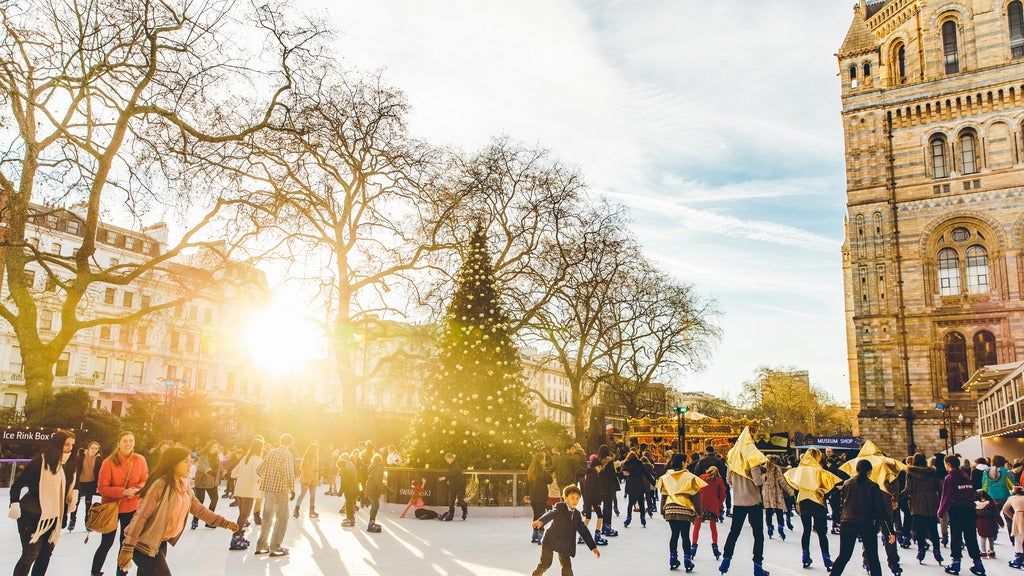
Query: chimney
(157,232)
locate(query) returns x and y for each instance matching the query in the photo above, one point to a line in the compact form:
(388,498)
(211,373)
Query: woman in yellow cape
(885,472)
(679,506)
(812,482)
(746,477)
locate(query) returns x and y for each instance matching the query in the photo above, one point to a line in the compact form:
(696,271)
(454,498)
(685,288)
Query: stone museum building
(933,113)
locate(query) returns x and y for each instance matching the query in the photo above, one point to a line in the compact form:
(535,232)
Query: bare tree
(118,103)
(573,324)
(656,328)
(338,180)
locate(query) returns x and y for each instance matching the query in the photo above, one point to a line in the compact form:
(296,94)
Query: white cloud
(717,122)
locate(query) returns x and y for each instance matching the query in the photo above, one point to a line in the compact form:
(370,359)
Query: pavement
(479,546)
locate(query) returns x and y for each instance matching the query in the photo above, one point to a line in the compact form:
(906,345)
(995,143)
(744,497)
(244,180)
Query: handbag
(102,517)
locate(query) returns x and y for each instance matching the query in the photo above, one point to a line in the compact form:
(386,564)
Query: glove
(124,558)
(14,512)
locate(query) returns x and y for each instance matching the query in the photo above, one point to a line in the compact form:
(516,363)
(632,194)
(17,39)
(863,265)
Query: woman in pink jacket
(122,475)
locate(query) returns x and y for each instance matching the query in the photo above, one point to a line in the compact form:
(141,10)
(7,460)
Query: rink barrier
(9,468)
(499,493)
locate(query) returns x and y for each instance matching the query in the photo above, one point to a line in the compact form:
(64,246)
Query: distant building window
(940,168)
(853,72)
(1015,13)
(129,243)
(968,153)
(46,320)
(950,48)
(984,349)
(136,377)
(949,272)
(142,335)
(73,226)
(977,270)
(105,332)
(867,69)
(10,400)
(128,299)
(115,407)
(109,295)
(956,362)
(61,368)
(960,234)
(147,301)
(57,249)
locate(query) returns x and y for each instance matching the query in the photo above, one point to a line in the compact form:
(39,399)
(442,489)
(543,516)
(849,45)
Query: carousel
(659,435)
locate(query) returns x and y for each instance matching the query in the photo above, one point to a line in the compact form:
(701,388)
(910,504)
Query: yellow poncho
(811,481)
(884,470)
(679,486)
(744,455)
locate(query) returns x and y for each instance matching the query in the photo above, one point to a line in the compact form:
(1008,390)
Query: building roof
(873,6)
(988,377)
(859,38)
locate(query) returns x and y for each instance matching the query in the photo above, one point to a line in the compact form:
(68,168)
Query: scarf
(52,497)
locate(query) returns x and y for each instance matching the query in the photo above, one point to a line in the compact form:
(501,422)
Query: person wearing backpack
(122,475)
(997,481)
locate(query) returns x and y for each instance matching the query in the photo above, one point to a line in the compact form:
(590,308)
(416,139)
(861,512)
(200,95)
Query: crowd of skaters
(932,502)
(151,497)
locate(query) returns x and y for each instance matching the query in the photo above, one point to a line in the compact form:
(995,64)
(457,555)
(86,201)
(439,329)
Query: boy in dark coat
(560,539)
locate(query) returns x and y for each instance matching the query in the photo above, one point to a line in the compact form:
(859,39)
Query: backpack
(425,514)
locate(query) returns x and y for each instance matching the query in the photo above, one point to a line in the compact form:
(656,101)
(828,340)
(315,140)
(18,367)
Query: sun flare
(279,338)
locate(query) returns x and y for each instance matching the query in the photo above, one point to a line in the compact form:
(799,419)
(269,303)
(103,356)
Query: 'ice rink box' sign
(26,434)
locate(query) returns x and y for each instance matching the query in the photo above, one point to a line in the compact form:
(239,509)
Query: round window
(960,234)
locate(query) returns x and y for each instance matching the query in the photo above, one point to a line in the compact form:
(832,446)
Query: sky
(716,121)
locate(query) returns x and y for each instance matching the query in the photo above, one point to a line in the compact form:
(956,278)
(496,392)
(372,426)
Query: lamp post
(681,427)
(960,420)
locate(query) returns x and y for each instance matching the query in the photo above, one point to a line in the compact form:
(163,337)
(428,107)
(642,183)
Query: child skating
(566,522)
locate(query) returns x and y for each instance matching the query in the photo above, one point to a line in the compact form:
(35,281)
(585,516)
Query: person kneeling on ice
(566,522)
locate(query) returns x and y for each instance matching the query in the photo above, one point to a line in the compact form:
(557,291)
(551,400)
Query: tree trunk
(38,370)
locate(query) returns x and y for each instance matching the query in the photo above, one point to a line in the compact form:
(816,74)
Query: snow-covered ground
(480,546)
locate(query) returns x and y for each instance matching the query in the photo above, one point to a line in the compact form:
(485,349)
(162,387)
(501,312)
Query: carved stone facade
(933,109)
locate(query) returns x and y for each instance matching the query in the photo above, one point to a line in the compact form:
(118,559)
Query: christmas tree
(474,401)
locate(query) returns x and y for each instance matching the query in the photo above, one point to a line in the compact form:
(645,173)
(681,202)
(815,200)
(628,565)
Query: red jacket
(712,497)
(111,482)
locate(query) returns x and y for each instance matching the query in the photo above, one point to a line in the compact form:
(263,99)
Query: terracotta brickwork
(933,109)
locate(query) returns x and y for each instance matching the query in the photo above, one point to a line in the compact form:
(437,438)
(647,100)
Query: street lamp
(960,419)
(681,427)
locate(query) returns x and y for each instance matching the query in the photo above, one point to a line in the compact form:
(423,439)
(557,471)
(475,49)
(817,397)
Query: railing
(12,377)
(9,468)
(491,488)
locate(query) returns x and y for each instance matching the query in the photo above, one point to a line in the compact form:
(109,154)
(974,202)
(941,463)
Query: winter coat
(997,482)
(569,468)
(922,491)
(637,473)
(28,479)
(349,478)
(957,492)
(988,521)
(247,481)
(712,497)
(565,525)
(708,461)
(775,489)
(1014,509)
(309,471)
(111,484)
(97,463)
(864,503)
(592,486)
(538,487)
(609,480)
(375,487)
(207,472)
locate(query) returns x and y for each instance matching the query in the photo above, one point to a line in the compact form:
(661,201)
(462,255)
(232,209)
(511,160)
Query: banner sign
(25,434)
(841,442)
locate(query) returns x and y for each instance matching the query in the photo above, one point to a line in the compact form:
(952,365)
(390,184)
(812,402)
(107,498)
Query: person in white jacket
(247,487)
(1014,512)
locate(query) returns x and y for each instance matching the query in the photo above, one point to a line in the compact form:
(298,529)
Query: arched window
(937,146)
(1015,13)
(968,153)
(950,49)
(867,69)
(949,272)
(984,349)
(956,362)
(901,64)
(977,270)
